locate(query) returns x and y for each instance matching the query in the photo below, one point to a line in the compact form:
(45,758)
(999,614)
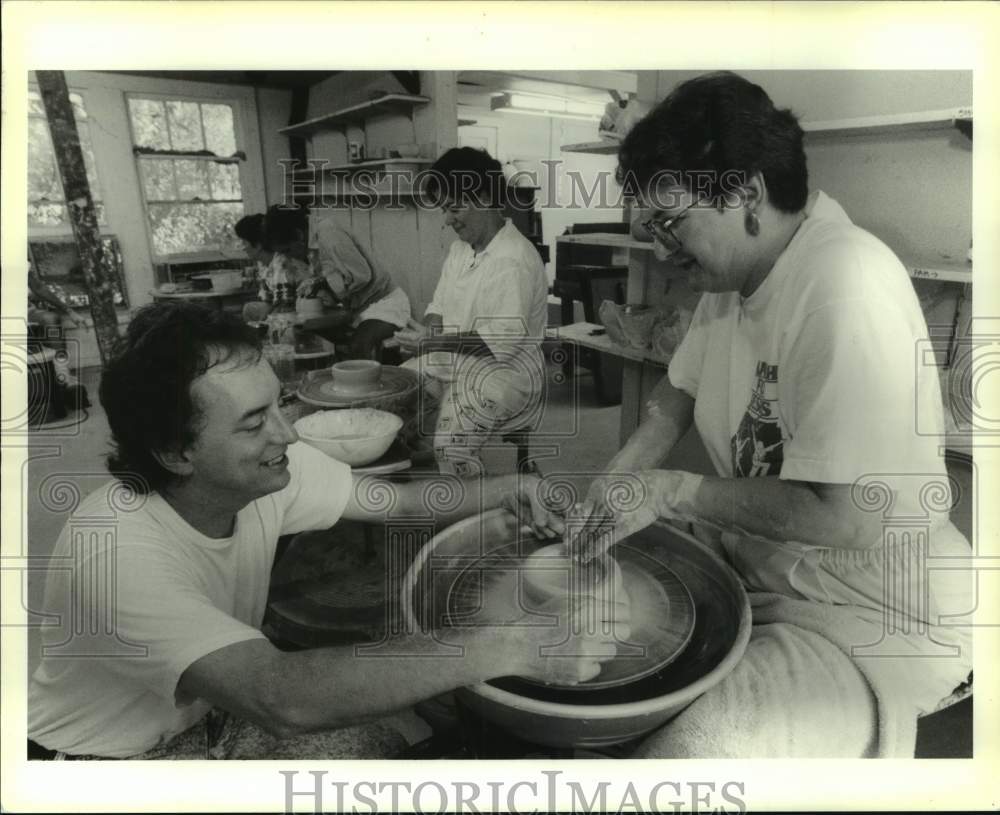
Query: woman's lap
(793,694)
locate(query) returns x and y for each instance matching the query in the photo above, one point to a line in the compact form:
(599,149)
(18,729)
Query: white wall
(533,140)
(912,190)
(410,241)
(274,107)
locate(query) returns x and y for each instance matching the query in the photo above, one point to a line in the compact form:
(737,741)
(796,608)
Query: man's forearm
(336,687)
(293,692)
(471,496)
(448,498)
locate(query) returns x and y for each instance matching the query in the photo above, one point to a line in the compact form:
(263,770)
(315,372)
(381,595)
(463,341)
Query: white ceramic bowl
(355,436)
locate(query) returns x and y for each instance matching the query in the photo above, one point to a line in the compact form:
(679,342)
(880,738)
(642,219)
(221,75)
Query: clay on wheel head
(551,573)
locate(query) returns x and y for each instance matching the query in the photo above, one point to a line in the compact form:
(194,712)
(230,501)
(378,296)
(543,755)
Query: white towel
(846,627)
(808,687)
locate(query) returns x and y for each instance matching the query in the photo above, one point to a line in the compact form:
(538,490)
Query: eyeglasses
(663,231)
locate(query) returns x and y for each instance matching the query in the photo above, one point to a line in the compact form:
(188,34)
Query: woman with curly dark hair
(799,373)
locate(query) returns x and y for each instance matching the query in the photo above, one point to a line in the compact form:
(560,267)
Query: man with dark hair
(161,577)
(487,317)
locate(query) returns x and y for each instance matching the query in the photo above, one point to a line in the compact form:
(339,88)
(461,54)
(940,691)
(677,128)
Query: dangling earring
(751,223)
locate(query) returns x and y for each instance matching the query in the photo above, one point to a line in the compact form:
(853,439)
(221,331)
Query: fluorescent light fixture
(546,106)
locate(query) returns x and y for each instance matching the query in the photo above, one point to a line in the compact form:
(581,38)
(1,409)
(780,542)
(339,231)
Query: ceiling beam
(622,82)
(258,79)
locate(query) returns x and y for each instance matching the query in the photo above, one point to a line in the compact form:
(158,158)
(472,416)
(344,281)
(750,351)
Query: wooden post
(97,282)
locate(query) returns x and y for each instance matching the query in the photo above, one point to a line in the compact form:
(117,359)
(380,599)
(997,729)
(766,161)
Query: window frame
(243,165)
(66,228)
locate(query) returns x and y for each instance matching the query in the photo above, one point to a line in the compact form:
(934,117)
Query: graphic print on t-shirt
(757,444)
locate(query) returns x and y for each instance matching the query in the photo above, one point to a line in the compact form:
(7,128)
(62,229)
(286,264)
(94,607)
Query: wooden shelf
(384,189)
(466,122)
(339,119)
(614,239)
(207,294)
(944,273)
(890,123)
(580,334)
(208,256)
(192,157)
(605,147)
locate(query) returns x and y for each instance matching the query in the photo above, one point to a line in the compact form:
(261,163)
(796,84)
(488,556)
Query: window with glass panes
(46,199)
(189,163)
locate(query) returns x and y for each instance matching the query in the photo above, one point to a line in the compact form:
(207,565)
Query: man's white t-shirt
(139,595)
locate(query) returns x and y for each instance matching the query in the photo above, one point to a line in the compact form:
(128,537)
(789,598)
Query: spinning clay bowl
(356,376)
(605,710)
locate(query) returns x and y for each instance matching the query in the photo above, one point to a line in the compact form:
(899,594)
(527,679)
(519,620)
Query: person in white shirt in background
(168,660)
(479,344)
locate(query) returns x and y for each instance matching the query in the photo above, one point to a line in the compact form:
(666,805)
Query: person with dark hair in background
(343,272)
(208,474)
(274,268)
(798,372)
(480,340)
(250,230)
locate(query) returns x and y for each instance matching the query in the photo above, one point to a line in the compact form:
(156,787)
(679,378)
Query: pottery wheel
(490,591)
(320,388)
(332,586)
